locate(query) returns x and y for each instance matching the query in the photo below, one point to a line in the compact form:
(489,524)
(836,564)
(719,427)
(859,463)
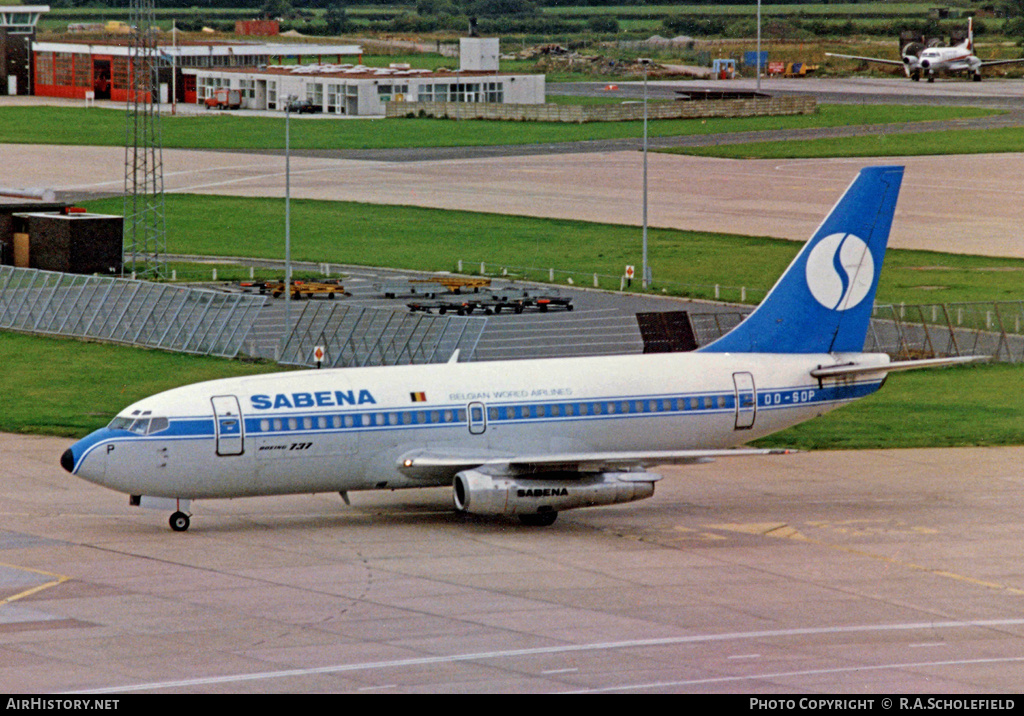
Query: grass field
(95,381)
(103,127)
(434,240)
(991,141)
(978,405)
(948,407)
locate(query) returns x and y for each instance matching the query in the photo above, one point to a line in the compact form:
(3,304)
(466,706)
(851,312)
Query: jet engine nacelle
(482,494)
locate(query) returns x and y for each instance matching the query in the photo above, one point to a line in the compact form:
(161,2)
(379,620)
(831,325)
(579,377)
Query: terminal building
(79,69)
(332,77)
(357,90)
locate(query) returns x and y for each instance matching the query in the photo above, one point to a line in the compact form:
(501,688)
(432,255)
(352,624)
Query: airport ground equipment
(494,302)
(325,287)
(456,284)
(404,288)
(224,99)
(430,287)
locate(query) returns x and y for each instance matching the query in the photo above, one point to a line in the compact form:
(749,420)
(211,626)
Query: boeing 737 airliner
(525,437)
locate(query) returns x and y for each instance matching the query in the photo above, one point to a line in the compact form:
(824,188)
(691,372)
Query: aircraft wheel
(179,522)
(540,519)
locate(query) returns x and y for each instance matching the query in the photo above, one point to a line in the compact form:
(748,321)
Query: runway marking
(56,579)
(808,672)
(594,647)
(786,532)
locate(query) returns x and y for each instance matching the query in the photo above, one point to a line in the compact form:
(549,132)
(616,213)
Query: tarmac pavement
(871,572)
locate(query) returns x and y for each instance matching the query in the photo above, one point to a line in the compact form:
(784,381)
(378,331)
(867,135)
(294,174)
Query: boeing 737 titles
(524,437)
(932,60)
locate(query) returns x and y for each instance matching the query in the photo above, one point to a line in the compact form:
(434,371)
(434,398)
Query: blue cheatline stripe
(504,414)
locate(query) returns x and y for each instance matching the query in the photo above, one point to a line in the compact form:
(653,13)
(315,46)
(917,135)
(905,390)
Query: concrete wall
(607,112)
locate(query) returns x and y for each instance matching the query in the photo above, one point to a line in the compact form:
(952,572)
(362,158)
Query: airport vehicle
(522,437)
(304,106)
(931,60)
(224,99)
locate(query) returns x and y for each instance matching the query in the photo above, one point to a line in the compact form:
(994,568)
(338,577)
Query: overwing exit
(932,60)
(525,437)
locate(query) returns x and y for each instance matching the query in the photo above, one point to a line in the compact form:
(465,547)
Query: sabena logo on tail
(823,302)
(840,271)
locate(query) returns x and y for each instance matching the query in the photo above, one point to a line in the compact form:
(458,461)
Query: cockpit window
(139,426)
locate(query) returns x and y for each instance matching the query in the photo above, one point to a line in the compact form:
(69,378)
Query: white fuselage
(348,429)
(948,59)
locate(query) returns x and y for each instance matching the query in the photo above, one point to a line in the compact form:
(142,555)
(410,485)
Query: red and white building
(100,70)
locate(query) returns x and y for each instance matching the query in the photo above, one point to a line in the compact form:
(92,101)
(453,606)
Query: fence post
(716,291)
(460,265)
(551,275)
(596,284)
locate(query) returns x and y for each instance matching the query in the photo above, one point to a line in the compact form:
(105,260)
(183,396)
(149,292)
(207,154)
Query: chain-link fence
(140,313)
(993,328)
(359,336)
(584,279)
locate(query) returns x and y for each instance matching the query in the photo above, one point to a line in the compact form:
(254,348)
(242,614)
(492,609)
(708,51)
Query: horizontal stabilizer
(835,371)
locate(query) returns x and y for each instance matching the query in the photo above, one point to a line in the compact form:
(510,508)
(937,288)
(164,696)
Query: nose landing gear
(179,522)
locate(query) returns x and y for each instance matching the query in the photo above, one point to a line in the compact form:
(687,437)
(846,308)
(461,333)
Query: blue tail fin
(823,301)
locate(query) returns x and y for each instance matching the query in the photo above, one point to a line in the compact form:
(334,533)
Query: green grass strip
(103,127)
(435,239)
(989,141)
(975,405)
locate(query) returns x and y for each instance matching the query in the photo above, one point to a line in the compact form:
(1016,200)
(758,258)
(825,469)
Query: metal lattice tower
(145,228)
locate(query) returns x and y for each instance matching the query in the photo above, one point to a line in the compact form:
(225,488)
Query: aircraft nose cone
(925,64)
(67,460)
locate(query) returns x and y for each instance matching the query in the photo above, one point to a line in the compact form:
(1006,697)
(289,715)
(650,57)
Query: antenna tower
(145,228)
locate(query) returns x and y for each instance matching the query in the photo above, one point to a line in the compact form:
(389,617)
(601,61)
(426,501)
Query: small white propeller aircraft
(932,60)
(525,437)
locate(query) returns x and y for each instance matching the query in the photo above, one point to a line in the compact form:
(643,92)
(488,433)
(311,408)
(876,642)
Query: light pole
(758,45)
(287,213)
(646,275)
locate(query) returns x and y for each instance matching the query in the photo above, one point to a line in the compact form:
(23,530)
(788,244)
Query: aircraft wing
(434,463)
(990,63)
(866,59)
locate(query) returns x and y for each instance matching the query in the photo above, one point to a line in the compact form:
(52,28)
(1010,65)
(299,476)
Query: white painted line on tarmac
(604,646)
